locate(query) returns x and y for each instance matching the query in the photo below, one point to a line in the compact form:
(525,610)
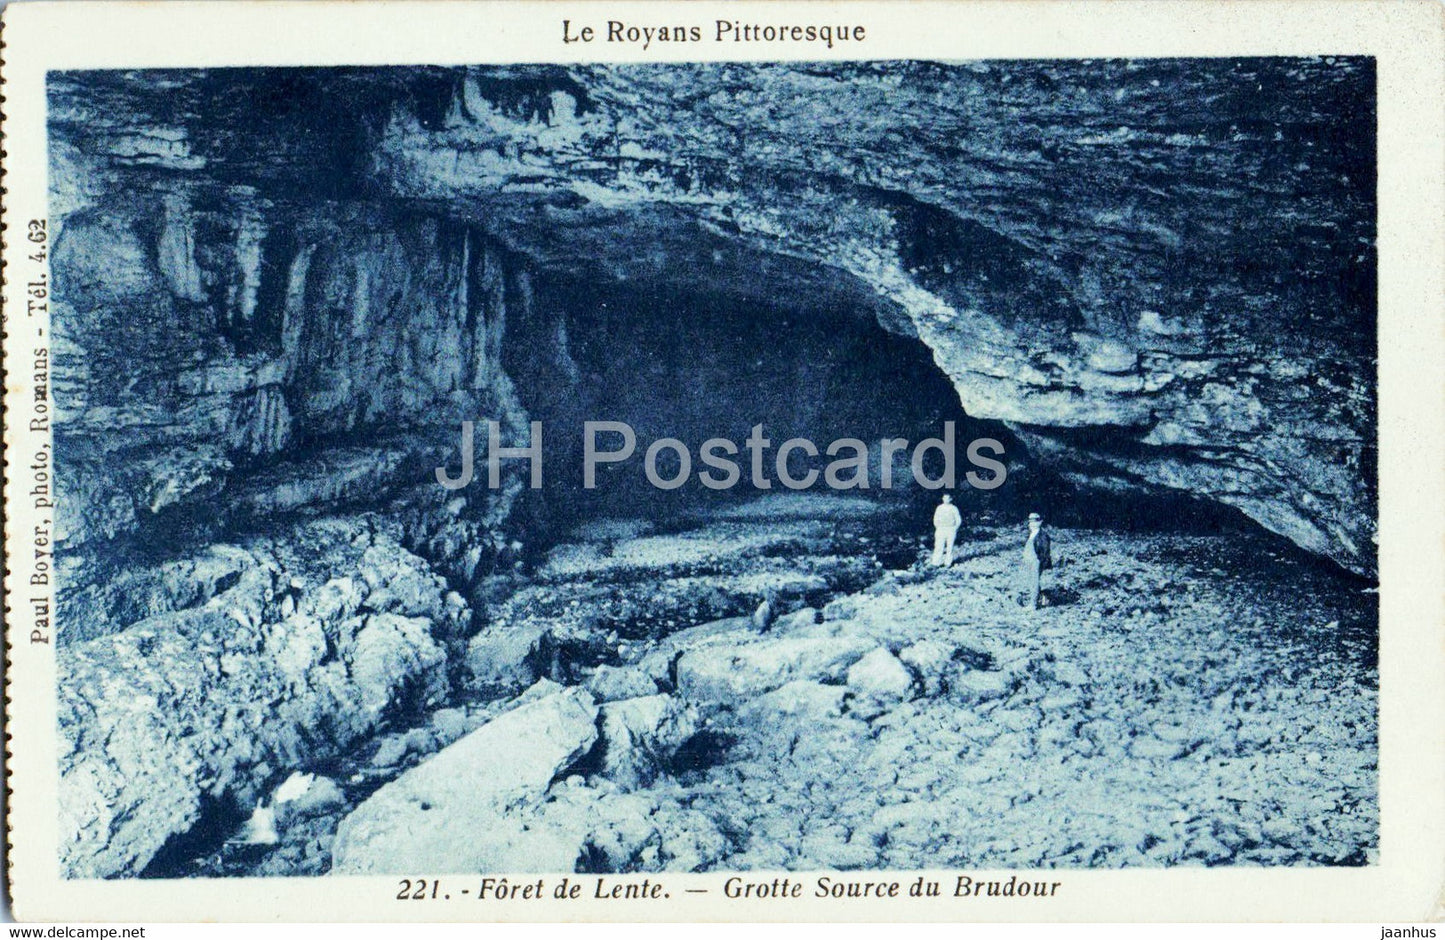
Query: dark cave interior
(676,364)
(670,361)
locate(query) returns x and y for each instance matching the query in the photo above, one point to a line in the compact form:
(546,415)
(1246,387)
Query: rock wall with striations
(254,378)
(1160,274)
(227,352)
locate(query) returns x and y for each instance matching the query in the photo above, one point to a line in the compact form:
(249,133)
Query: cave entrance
(694,365)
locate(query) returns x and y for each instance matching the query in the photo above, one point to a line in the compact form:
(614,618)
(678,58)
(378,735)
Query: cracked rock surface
(1173,703)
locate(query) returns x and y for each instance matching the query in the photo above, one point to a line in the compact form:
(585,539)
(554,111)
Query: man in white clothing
(946,521)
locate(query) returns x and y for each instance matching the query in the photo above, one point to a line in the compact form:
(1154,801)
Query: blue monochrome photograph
(780,467)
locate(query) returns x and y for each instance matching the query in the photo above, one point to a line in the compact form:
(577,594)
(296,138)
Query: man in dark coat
(1036,559)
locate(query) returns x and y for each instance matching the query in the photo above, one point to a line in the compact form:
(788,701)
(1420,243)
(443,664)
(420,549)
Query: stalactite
(465,370)
(250,232)
(520,307)
(176,250)
(293,317)
(492,315)
(360,302)
(564,353)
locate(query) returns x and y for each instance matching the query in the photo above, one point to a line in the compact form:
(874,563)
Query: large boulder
(929,660)
(593,826)
(802,699)
(615,683)
(977,685)
(459,811)
(877,682)
(641,734)
(732,675)
(502,660)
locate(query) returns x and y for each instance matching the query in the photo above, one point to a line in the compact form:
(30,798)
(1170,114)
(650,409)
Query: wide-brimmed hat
(1035,517)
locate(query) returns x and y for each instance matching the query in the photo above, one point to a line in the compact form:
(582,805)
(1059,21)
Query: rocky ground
(1182,699)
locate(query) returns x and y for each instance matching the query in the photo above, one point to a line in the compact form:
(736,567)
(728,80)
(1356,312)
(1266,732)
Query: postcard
(725,461)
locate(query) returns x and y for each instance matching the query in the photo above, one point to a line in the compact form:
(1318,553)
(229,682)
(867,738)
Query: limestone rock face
(274,358)
(1099,276)
(457,811)
(213,702)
